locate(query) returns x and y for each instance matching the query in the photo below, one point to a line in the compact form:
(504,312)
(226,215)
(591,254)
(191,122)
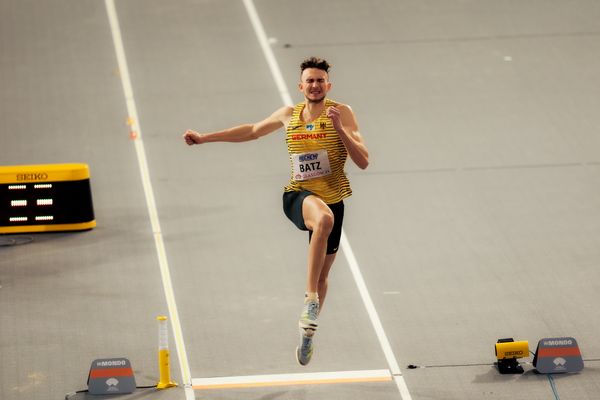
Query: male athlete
(320,134)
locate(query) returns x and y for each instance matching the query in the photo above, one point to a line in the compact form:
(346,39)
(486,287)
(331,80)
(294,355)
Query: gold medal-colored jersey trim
(303,137)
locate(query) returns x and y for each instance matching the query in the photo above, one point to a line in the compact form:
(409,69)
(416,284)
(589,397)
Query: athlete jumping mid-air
(320,135)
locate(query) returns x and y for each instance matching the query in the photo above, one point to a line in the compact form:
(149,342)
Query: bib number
(311,165)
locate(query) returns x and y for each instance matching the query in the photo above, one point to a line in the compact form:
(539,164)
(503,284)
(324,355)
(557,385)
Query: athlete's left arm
(344,122)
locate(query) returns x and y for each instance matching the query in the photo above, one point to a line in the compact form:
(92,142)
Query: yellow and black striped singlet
(302,137)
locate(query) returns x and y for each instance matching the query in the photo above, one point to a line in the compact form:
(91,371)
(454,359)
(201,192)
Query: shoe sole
(298,357)
(297,353)
(309,333)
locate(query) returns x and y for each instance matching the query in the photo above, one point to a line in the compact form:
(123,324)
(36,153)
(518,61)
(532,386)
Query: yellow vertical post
(163,354)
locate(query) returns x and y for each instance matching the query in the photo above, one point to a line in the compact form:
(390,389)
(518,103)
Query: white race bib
(311,165)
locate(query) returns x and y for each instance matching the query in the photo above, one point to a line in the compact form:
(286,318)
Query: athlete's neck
(312,110)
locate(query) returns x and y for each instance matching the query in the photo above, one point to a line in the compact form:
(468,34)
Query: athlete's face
(314,84)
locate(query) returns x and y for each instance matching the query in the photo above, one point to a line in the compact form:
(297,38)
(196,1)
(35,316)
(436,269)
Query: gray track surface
(478,219)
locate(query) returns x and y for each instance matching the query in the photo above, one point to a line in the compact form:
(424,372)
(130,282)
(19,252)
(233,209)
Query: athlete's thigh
(313,209)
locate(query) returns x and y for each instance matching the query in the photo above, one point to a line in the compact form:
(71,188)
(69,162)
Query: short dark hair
(315,62)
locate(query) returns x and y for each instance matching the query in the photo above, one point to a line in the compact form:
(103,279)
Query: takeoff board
(44,198)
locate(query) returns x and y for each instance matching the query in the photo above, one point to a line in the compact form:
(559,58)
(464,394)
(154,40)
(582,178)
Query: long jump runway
(478,218)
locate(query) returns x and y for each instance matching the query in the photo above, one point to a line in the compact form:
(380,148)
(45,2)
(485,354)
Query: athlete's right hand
(192,137)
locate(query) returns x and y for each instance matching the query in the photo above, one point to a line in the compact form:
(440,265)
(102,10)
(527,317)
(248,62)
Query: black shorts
(292,207)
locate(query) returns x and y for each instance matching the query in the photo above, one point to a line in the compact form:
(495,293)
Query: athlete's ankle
(311,296)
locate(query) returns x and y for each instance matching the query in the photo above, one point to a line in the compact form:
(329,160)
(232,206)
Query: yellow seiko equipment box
(44,198)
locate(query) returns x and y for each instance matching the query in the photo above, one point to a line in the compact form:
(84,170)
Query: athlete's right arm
(242,133)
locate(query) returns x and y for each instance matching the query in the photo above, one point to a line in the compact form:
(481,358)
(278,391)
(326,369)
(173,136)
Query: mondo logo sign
(558,355)
(111,376)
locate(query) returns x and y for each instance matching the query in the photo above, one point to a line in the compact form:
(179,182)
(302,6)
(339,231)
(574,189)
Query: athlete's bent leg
(319,219)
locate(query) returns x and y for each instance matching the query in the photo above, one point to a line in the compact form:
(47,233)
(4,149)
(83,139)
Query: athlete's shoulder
(284,113)
(330,102)
(345,109)
(285,110)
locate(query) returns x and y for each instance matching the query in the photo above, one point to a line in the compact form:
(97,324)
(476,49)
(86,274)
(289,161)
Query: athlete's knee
(324,223)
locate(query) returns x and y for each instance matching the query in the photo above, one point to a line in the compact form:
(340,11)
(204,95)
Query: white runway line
(266,47)
(345,244)
(150,203)
(375,321)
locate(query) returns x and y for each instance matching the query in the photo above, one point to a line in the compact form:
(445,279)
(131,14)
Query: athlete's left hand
(335,116)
